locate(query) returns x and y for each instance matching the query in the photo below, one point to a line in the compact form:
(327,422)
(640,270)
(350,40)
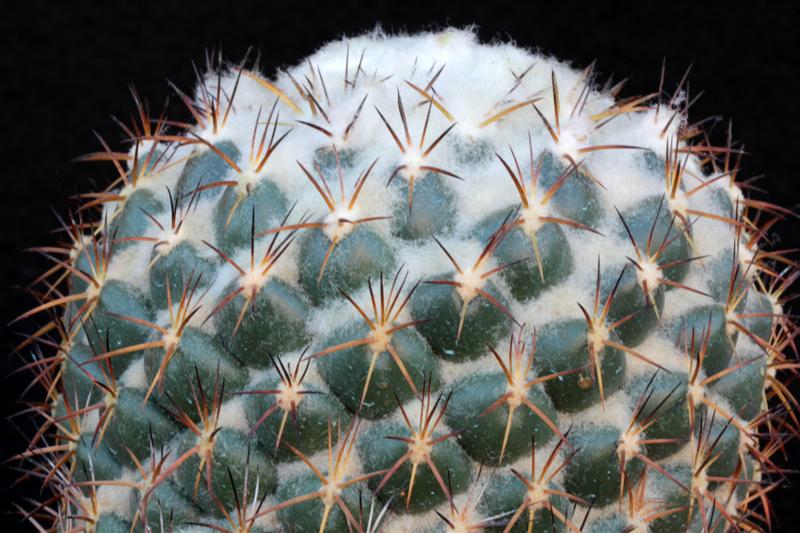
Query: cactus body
(456,285)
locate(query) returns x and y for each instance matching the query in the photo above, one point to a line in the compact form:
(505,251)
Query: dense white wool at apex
(467,75)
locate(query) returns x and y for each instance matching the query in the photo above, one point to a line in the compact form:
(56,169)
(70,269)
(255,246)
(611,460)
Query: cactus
(415,283)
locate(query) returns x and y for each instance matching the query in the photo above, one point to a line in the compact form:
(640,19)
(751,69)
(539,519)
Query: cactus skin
(461,298)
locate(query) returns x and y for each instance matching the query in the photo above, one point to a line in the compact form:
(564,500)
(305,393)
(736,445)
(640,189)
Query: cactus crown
(415,283)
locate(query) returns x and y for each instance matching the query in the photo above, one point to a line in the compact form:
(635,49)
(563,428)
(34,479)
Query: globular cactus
(419,284)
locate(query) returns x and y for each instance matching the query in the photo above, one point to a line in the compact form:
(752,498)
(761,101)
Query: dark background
(66,68)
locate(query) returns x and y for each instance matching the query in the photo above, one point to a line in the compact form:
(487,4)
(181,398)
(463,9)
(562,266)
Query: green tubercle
(341,369)
(525,279)
(243,213)
(743,388)
(440,307)
(108,328)
(593,473)
(432,211)
(135,425)
(132,220)
(308,515)
(578,198)
(665,410)
(676,500)
(177,373)
(80,375)
(228,458)
(638,314)
(483,436)
(721,438)
(94,461)
(206,167)
(379,451)
(360,255)
(758,315)
(504,495)
(563,346)
(167,504)
(659,236)
(304,428)
(183,267)
(708,324)
(111,523)
(272,323)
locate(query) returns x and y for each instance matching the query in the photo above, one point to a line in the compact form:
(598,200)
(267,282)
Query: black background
(66,67)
